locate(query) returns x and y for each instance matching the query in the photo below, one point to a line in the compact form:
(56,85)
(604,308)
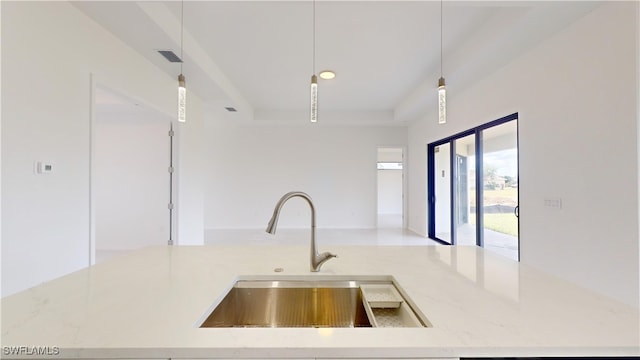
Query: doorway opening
(390,176)
(130,175)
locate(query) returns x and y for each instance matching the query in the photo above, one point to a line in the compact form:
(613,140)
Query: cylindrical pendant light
(182,99)
(442,91)
(442,102)
(182,90)
(314,98)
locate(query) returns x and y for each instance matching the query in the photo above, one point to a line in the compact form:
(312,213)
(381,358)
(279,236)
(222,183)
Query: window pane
(389,166)
(465,191)
(443,192)
(500,189)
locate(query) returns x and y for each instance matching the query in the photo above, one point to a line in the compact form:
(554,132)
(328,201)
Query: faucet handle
(326,256)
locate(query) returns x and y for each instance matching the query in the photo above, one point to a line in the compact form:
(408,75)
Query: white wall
(576,90)
(390,154)
(190,164)
(49,51)
(250,167)
(131,181)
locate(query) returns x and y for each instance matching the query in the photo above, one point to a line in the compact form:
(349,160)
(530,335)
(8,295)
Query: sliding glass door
(442,182)
(500,189)
(473,188)
(465,190)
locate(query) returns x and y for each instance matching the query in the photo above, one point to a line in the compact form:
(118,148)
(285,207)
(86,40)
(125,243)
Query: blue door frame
(431,200)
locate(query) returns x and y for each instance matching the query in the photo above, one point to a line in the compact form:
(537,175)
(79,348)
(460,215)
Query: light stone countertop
(148,304)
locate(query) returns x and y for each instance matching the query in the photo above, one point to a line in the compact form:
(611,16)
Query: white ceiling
(257,56)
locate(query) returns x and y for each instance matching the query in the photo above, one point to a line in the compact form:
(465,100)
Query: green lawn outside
(508,196)
(502,223)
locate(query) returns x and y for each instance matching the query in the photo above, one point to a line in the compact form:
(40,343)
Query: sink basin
(312,302)
(290,304)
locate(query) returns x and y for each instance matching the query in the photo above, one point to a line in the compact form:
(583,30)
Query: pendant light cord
(181,32)
(441,38)
(314,36)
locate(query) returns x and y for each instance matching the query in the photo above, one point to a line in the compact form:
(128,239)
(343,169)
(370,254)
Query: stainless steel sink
(291,304)
(315,302)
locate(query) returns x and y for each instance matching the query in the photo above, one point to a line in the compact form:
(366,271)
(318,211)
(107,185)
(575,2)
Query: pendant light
(442,91)
(182,90)
(314,78)
(314,98)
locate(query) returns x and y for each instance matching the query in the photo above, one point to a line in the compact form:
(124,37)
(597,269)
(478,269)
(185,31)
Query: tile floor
(503,244)
(104,255)
(391,235)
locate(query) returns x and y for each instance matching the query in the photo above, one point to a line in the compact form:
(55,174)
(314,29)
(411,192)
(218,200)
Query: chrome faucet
(316,259)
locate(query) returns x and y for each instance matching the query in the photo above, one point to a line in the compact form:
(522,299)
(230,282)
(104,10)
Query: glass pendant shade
(442,102)
(314,98)
(182,99)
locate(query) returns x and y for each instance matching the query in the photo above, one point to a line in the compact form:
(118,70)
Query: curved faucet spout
(316,259)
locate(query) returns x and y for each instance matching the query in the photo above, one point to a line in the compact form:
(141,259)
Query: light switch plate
(555,203)
(43,167)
